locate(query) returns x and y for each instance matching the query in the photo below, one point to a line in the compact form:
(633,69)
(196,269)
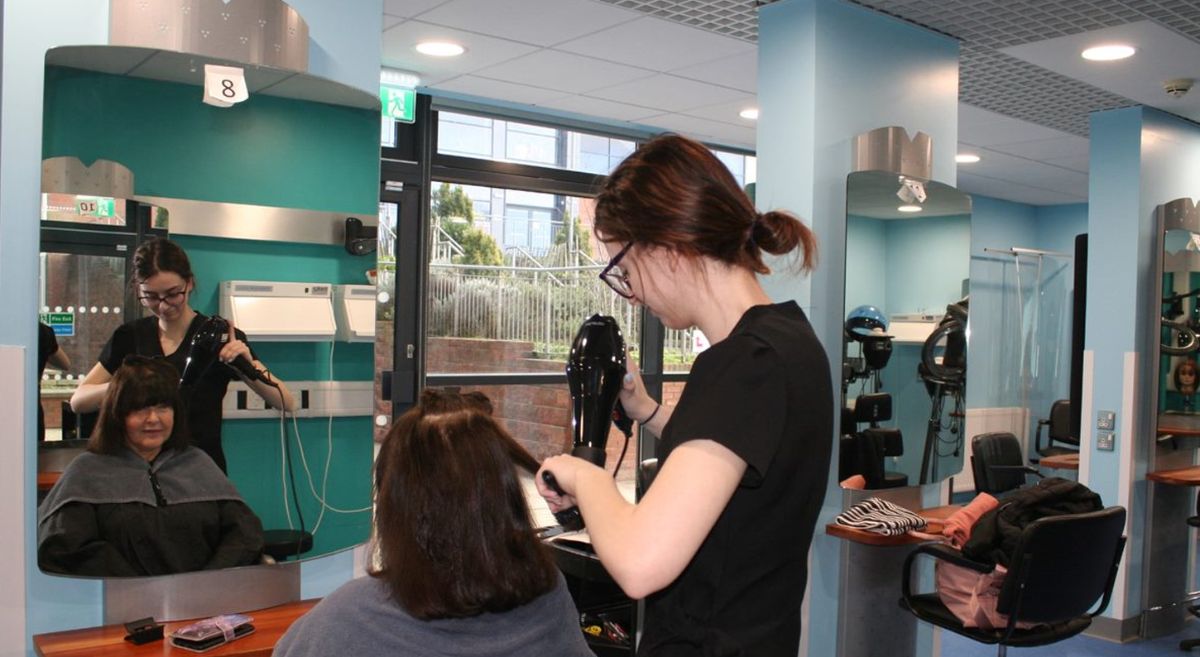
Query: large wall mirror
(1178,404)
(904,351)
(299,143)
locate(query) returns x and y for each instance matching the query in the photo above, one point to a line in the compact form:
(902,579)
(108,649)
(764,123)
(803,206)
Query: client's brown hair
(453,527)
(138,383)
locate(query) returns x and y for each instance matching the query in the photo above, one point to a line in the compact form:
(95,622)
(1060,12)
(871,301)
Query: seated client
(140,501)
(459,568)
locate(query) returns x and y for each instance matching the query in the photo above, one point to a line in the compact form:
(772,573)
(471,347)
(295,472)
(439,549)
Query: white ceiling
(638,64)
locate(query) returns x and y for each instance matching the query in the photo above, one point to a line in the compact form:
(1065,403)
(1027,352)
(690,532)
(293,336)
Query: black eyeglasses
(617,278)
(172,297)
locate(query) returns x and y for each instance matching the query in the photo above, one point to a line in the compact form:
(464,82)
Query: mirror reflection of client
(140,501)
(460,569)
(164,282)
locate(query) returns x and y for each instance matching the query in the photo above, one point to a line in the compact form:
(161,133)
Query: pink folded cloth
(856,482)
(957,528)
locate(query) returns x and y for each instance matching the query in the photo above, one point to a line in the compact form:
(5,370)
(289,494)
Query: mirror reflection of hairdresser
(460,569)
(164,282)
(140,501)
(49,353)
(719,543)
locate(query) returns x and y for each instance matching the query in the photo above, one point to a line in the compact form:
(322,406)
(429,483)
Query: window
(526,143)
(743,167)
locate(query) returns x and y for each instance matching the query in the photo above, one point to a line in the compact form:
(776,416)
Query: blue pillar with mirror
(827,72)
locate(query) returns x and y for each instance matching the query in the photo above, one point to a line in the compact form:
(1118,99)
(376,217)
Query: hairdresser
(163,281)
(718,545)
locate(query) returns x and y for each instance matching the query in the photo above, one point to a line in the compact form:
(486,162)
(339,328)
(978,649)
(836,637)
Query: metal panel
(891,149)
(266,32)
(200,594)
(69,175)
(256,222)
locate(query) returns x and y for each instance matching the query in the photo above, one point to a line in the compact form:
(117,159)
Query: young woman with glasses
(718,545)
(162,276)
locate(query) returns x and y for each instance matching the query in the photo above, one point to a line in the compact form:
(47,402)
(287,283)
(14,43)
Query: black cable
(287,453)
(621,458)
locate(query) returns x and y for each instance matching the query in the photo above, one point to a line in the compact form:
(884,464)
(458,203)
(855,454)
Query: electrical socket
(255,403)
(1106,420)
(1105,441)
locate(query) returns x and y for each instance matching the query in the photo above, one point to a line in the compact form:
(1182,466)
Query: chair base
(283,543)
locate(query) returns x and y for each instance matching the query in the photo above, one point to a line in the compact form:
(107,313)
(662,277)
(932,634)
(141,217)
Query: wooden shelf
(109,640)
(934,516)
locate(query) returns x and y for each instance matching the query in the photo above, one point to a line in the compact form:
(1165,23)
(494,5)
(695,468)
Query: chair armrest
(1024,468)
(1037,435)
(937,551)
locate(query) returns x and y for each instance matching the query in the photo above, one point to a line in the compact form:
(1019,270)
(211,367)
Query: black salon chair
(281,544)
(863,451)
(1058,430)
(997,463)
(1050,580)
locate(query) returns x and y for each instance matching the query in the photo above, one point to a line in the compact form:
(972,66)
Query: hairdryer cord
(621,458)
(287,453)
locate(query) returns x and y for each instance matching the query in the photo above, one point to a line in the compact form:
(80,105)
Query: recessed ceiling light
(966,158)
(440,49)
(750,113)
(909,208)
(1109,52)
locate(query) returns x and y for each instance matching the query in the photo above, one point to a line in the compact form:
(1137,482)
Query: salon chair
(997,463)
(1058,429)
(280,544)
(1050,581)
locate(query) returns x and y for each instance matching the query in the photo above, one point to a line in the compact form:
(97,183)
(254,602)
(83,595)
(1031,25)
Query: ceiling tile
(735,71)
(498,90)
(1041,149)
(1078,163)
(1010,191)
(657,44)
(705,130)
(392,21)
(667,92)
(409,8)
(1031,173)
(400,41)
(1004,131)
(562,70)
(539,22)
(599,108)
(727,112)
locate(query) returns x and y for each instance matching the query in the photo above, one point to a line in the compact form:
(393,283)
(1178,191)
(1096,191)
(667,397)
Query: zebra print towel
(881,517)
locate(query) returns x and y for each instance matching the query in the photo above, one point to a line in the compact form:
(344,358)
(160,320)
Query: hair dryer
(595,371)
(206,344)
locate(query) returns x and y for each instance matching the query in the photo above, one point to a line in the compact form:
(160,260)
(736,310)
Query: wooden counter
(933,516)
(1178,424)
(109,641)
(1060,461)
(1189,476)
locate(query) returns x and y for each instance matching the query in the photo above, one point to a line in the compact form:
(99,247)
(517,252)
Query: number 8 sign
(224,85)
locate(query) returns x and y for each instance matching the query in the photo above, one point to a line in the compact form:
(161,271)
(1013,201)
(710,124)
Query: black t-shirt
(764,392)
(47,345)
(203,399)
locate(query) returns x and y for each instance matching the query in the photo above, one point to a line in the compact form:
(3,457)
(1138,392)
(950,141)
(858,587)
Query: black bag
(995,535)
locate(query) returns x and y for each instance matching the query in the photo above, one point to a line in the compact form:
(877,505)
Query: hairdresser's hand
(637,402)
(566,471)
(234,348)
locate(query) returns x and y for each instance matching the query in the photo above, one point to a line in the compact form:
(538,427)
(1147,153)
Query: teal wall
(267,151)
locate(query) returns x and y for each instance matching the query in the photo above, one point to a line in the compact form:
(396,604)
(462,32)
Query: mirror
(904,344)
(1179,324)
(312,147)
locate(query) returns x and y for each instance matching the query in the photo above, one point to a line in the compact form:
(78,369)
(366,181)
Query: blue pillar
(828,71)
(1139,159)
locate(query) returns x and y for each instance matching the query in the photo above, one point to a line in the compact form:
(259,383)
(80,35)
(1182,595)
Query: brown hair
(1183,365)
(453,527)
(138,383)
(160,255)
(673,192)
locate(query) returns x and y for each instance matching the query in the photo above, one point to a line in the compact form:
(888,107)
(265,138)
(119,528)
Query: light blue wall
(1139,158)
(866,253)
(828,71)
(927,261)
(345,47)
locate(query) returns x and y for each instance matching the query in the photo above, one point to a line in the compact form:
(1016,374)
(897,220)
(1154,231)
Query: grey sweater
(362,620)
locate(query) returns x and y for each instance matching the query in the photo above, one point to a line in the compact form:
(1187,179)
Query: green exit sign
(94,206)
(62,323)
(398,103)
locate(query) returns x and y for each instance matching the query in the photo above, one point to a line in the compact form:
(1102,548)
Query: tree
(571,224)
(454,212)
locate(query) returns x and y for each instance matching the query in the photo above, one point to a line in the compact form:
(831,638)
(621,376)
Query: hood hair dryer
(595,371)
(206,344)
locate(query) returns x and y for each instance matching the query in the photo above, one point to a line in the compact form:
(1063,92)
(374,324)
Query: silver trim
(256,222)
(891,149)
(200,594)
(268,32)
